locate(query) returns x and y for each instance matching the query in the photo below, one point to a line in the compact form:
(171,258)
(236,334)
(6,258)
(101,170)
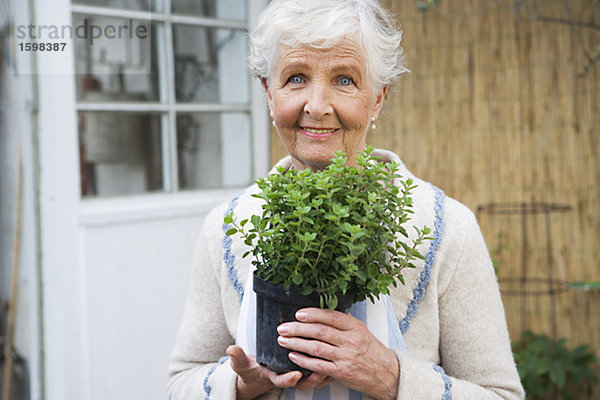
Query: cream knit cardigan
(450,312)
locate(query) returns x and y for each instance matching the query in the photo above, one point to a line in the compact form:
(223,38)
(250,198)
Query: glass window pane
(210,65)
(221,9)
(137,5)
(120,153)
(214,150)
(116,66)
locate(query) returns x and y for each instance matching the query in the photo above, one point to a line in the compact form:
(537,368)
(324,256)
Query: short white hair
(323,24)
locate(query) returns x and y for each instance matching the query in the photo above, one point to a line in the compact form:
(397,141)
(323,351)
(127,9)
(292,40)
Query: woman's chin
(314,161)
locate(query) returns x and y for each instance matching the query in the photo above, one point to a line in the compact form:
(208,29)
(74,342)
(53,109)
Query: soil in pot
(274,306)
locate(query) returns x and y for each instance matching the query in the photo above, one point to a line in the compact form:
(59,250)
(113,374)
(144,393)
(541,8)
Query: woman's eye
(346,81)
(297,79)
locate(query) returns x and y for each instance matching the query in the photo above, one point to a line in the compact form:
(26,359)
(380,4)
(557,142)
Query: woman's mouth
(318,133)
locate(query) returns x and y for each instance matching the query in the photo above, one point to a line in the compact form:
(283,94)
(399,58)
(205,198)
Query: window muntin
(137,5)
(227,9)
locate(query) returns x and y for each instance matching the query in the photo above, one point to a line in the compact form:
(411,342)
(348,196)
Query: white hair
(323,24)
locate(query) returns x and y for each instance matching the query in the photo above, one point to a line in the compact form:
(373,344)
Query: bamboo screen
(494,111)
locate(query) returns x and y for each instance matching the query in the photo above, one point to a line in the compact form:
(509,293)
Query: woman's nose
(318,103)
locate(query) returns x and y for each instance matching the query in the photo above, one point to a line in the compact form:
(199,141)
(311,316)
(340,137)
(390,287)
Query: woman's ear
(379,101)
(265,85)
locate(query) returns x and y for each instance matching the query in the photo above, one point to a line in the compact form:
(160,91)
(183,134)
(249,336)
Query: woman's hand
(343,348)
(254,379)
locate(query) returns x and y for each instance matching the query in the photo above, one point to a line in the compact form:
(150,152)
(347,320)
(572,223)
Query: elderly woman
(326,66)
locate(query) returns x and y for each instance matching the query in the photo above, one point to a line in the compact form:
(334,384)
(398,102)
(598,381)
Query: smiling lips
(317,133)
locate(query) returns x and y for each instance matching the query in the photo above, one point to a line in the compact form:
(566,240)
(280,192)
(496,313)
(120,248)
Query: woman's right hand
(254,379)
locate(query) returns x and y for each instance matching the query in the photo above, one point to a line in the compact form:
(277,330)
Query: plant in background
(333,231)
(584,285)
(547,367)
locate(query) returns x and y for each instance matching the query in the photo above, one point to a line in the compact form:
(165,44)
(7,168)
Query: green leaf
(306,291)
(362,277)
(228,218)
(305,209)
(372,286)
(373,270)
(231,231)
(557,374)
(332,302)
(331,217)
(543,366)
(297,278)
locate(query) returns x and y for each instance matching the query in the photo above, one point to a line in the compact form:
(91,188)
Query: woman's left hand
(343,348)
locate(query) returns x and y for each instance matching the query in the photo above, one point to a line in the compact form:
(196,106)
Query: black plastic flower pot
(274,306)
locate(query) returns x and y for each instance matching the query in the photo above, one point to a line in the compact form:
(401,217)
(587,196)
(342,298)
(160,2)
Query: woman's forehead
(346,54)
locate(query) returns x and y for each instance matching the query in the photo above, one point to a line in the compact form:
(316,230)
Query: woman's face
(322,101)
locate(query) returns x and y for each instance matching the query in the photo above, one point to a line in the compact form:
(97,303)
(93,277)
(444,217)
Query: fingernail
(283,339)
(293,356)
(300,315)
(282,329)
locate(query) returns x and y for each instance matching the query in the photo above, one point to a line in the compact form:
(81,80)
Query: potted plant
(326,238)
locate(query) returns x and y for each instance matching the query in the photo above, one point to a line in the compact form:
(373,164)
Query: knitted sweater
(449,311)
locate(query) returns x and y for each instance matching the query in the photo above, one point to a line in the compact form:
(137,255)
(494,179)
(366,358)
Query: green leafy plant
(547,367)
(584,285)
(333,231)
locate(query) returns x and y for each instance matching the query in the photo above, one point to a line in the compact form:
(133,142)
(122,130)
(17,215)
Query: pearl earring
(373,126)
(273,123)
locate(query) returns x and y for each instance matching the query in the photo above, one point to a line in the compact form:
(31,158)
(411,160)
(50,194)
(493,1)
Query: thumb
(240,362)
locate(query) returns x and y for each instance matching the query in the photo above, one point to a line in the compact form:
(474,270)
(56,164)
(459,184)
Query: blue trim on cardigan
(228,256)
(447,395)
(205,383)
(425,276)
